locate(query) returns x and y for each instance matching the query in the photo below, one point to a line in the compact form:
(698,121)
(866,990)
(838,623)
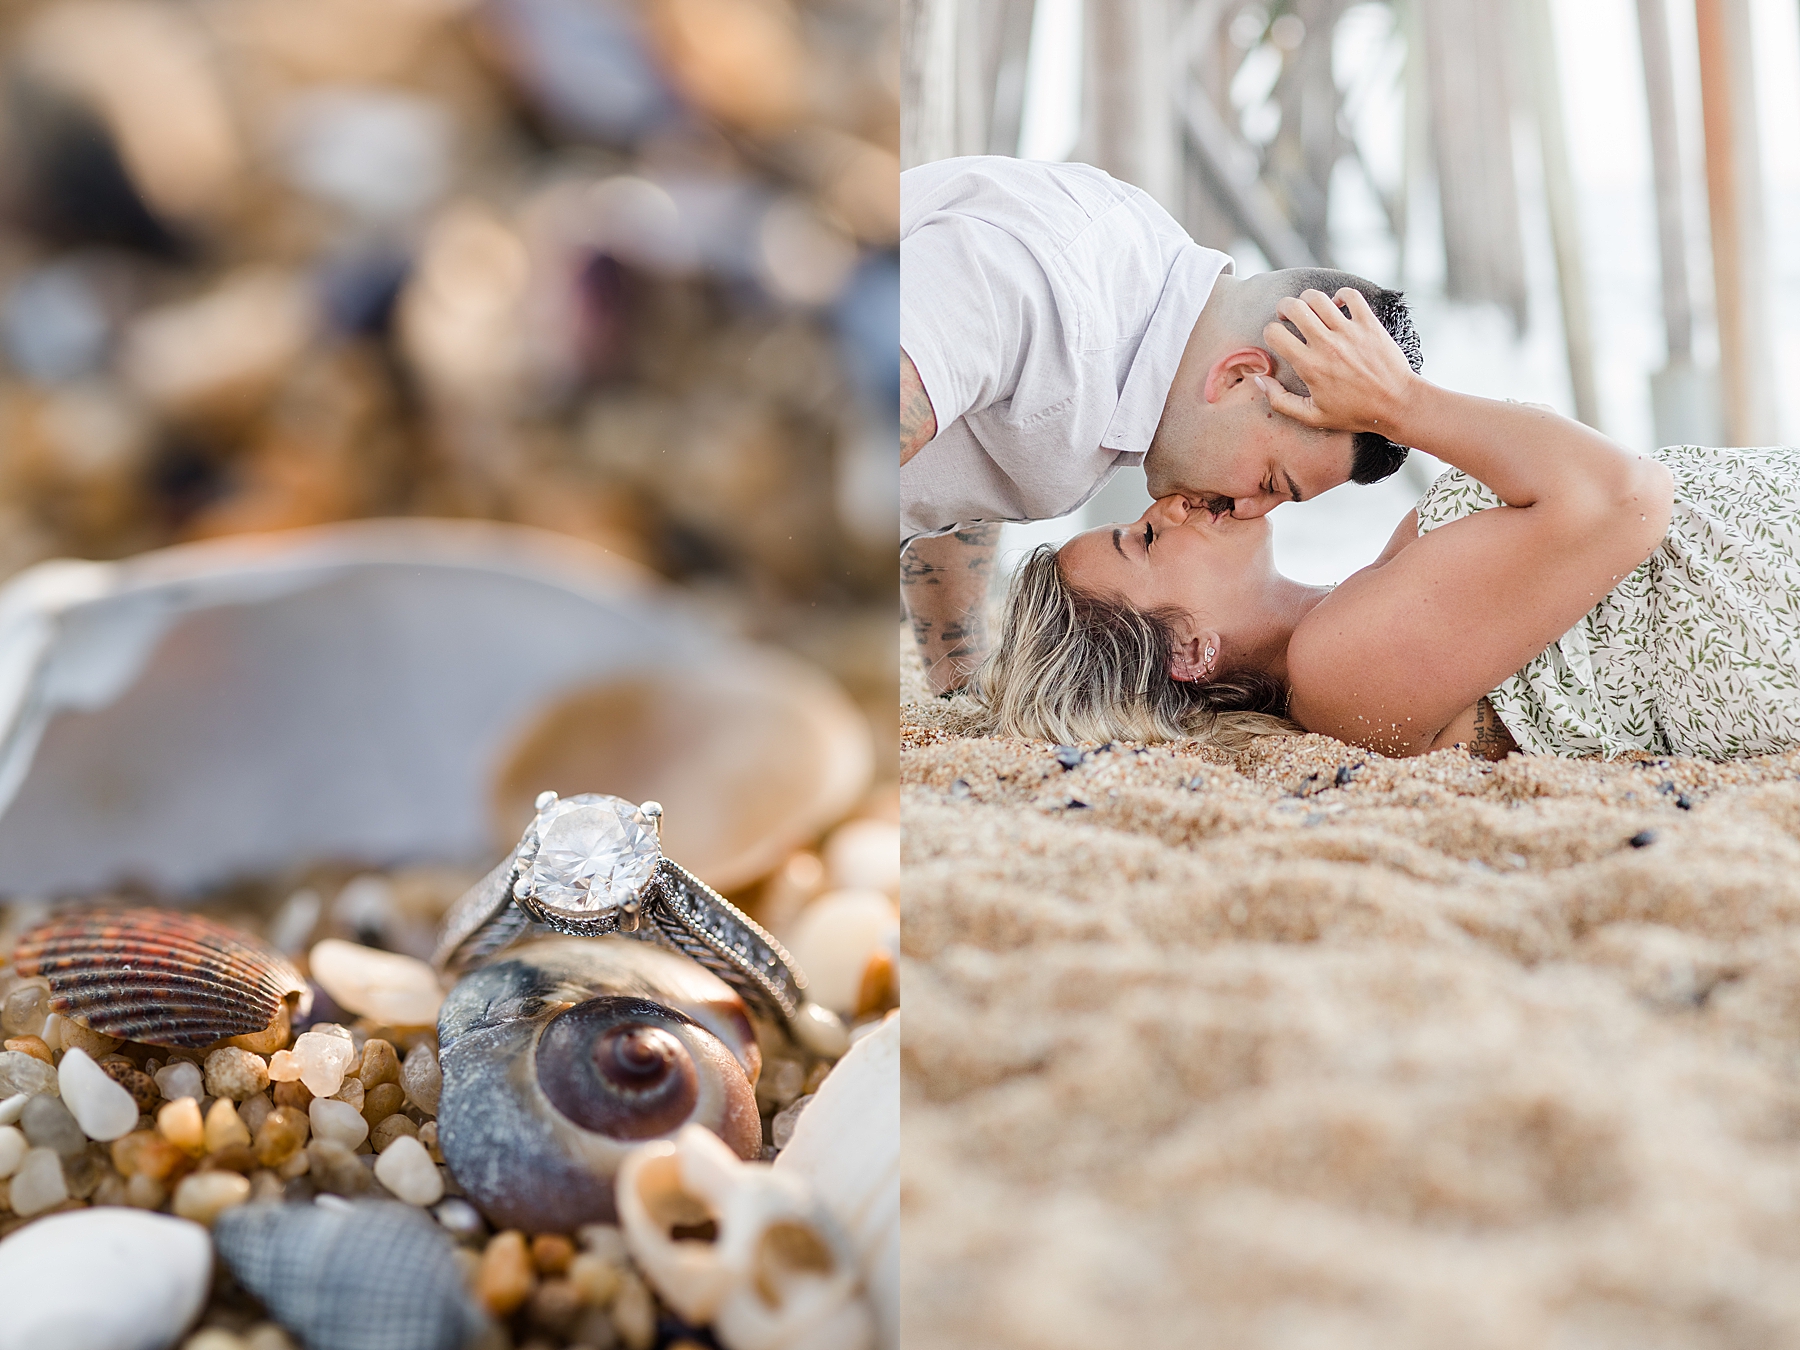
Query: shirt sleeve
(971,296)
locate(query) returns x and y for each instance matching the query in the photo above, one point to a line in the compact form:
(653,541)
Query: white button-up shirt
(1046,308)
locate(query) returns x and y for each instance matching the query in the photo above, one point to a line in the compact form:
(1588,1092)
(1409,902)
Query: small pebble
(551,1253)
(12,1108)
(235,1073)
(428,1136)
(406,1169)
(52,1032)
(104,1110)
(12,1149)
(30,1045)
(393,1127)
(268,1336)
(323,1056)
(234,1158)
(83,1174)
(634,1313)
(214,1338)
(386,987)
(460,1219)
(335,1168)
(25,1009)
(604,1240)
(139,1084)
(781,1127)
(595,1278)
(266,1186)
(254,1110)
(505,1278)
(381,1101)
(146,1153)
(553,1306)
(350,1092)
(180,1078)
(294,1094)
(204,1196)
(86,1039)
(422,1078)
(271,1038)
(48,1124)
(181,1124)
(145,1192)
(20,1072)
(379,1063)
(223,1128)
(281,1135)
(339,1122)
(38,1184)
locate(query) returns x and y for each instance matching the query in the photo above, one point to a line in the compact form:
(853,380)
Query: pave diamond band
(591,865)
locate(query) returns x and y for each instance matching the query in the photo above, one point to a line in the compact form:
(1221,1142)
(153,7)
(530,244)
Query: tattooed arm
(1479,731)
(918,423)
(945,581)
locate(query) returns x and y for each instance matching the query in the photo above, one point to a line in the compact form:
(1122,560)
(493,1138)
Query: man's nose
(1249,508)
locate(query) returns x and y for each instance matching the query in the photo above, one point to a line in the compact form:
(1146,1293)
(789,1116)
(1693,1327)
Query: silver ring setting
(592,865)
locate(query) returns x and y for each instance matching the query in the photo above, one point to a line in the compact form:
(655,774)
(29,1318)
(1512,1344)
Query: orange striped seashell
(160,977)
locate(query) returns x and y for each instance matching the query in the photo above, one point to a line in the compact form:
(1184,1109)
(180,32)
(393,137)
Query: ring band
(592,865)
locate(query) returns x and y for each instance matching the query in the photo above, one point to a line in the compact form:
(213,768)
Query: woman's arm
(1398,651)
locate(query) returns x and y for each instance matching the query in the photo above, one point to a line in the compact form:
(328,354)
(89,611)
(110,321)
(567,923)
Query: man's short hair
(1375,456)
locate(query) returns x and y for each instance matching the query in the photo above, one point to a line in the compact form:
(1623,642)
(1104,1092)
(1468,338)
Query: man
(1056,324)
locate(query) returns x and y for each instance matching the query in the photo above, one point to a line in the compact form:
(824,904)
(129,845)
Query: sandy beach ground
(1302,1047)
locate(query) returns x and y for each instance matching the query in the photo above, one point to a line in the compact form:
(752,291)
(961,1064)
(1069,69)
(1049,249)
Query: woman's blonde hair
(1071,666)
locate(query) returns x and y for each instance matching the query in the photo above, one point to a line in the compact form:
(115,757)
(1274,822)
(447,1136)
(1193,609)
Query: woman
(1552,592)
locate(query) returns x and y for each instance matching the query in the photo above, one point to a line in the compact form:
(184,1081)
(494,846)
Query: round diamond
(594,853)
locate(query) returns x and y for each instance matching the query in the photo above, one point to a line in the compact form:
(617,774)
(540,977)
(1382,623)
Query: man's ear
(1197,659)
(1236,368)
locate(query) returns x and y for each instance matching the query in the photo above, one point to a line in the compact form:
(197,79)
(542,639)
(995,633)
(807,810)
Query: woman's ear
(1197,659)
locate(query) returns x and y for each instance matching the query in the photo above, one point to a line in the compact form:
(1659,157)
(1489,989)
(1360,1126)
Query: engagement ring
(590,865)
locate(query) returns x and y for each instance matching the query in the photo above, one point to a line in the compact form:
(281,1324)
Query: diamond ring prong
(545,800)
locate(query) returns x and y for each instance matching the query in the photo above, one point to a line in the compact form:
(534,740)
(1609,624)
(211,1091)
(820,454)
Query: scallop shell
(368,1275)
(159,977)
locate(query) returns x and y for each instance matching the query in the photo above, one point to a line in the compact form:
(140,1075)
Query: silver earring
(1209,655)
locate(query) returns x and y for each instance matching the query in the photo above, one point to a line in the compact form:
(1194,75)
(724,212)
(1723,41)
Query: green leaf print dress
(1697,651)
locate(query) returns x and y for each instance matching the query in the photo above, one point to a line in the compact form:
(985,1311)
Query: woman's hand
(1359,380)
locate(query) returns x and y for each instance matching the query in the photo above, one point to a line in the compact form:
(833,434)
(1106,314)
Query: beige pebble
(428,1136)
(235,1073)
(296,1166)
(270,1039)
(145,1192)
(266,1187)
(422,1078)
(283,1133)
(505,1278)
(336,1169)
(147,1152)
(110,1191)
(406,1169)
(324,1055)
(605,1240)
(204,1196)
(386,987)
(381,1101)
(634,1313)
(337,1121)
(268,1336)
(551,1253)
(12,1149)
(350,1092)
(380,1064)
(554,1305)
(284,1067)
(181,1124)
(223,1127)
(294,1095)
(214,1338)
(595,1277)
(95,1043)
(393,1127)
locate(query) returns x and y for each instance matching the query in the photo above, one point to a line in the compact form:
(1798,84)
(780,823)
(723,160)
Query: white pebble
(38,1184)
(406,1169)
(13,1107)
(104,1110)
(422,1078)
(339,1122)
(235,1073)
(865,855)
(26,1074)
(52,1033)
(155,1272)
(180,1078)
(401,991)
(835,936)
(324,1058)
(12,1149)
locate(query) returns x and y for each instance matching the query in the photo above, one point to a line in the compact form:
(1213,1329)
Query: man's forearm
(944,582)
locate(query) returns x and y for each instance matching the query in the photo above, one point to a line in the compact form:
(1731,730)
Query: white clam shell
(260,702)
(835,936)
(102,1279)
(780,1273)
(846,1144)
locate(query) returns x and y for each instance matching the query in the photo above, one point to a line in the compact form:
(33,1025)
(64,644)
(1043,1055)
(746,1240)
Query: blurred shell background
(621,269)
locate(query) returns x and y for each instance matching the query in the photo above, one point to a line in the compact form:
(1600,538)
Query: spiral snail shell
(566,1053)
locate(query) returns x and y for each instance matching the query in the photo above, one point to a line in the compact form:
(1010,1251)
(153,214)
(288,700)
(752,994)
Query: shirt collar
(1184,295)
